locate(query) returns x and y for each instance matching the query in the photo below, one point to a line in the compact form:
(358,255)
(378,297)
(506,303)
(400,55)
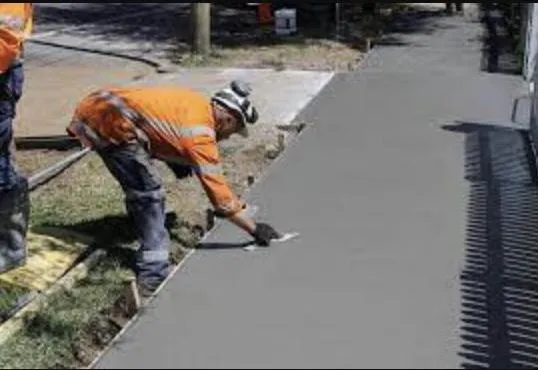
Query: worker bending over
(130,126)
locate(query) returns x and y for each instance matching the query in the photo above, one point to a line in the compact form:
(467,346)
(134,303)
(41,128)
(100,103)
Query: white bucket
(285,21)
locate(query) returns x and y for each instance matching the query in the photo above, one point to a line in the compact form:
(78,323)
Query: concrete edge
(159,65)
(191,253)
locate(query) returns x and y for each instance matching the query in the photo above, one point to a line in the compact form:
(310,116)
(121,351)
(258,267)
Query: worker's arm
(10,48)
(243,221)
(204,153)
(262,233)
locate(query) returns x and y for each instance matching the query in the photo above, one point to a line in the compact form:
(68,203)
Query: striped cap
(235,98)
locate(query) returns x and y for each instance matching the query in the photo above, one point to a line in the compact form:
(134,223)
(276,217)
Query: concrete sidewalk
(55,80)
(412,251)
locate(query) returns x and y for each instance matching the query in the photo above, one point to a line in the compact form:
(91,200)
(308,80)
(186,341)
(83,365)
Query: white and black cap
(235,98)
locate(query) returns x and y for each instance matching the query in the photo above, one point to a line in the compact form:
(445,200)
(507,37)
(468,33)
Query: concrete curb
(160,66)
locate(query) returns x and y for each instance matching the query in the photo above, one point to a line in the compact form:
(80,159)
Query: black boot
(14,216)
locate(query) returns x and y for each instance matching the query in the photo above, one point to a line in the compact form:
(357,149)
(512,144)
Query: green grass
(8,297)
(85,193)
(86,199)
(50,335)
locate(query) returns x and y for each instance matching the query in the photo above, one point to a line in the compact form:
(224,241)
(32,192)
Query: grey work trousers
(131,165)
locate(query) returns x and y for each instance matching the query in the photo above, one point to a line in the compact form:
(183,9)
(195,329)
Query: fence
(530,16)
(530,68)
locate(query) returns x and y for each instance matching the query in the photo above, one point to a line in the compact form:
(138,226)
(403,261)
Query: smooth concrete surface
(377,190)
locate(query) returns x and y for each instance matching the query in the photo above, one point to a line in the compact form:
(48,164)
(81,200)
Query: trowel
(251,211)
(284,238)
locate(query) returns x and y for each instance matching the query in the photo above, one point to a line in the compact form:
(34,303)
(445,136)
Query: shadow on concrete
(499,283)
(398,26)
(499,43)
(137,21)
(224,246)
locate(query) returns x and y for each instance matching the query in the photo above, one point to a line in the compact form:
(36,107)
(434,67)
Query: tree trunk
(201,28)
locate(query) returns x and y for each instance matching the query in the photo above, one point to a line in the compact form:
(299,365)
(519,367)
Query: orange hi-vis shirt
(16,22)
(178,124)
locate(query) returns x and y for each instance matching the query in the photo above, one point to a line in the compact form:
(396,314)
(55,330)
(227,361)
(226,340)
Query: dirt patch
(238,40)
(306,54)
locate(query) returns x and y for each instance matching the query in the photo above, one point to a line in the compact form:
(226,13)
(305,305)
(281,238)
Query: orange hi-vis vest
(16,22)
(178,125)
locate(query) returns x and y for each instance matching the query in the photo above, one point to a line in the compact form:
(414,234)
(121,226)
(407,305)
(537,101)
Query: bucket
(14,213)
(285,22)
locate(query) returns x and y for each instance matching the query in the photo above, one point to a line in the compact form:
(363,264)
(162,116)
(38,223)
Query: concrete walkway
(417,247)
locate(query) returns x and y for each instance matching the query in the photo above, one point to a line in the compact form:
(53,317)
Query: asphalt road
(417,241)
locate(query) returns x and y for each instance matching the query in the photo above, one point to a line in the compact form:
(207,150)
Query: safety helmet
(235,99)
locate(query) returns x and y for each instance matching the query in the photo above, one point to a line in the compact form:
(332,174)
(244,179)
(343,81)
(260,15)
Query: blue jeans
(131,166)
(11,84)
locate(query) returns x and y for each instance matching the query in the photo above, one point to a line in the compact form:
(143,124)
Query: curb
(158,65)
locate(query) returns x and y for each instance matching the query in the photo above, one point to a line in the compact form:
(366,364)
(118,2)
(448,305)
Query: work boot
(147,287)
(14,216)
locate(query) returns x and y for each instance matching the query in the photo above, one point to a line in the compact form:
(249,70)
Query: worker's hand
(264,233)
